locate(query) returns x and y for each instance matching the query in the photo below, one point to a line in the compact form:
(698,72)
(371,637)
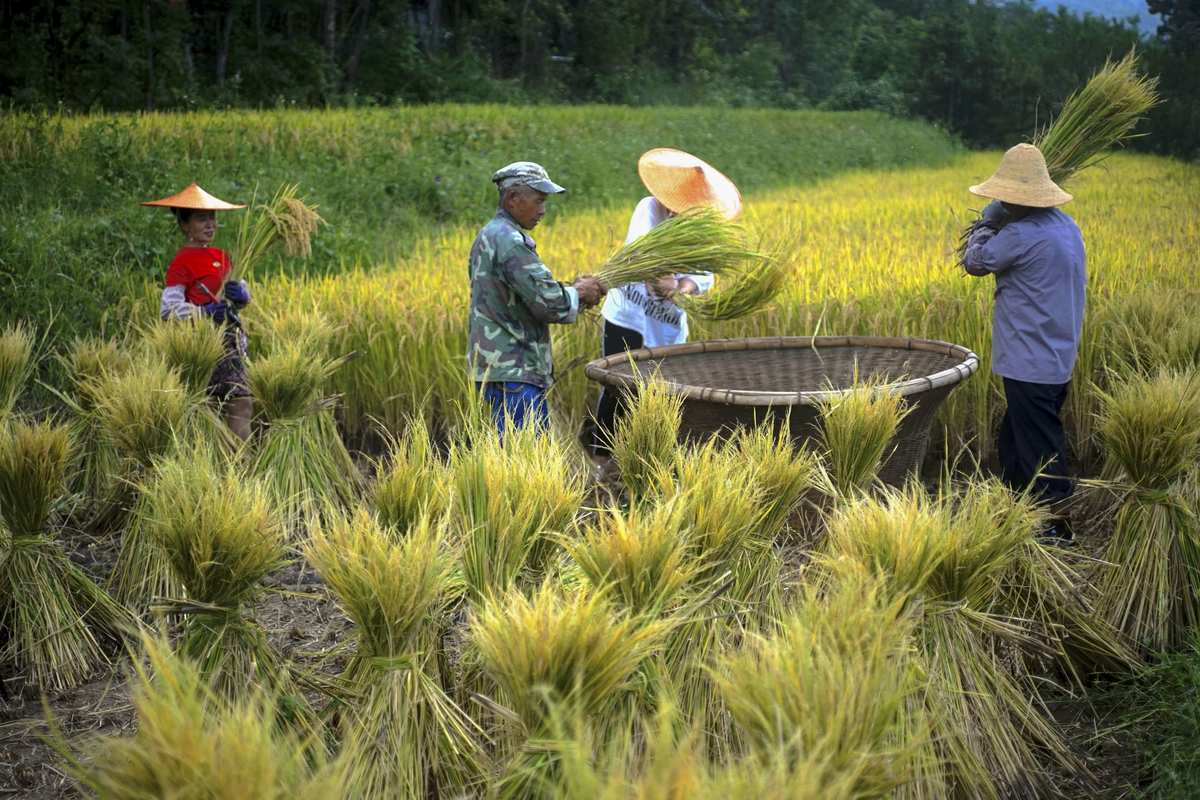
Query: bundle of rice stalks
(951,562)
(285,220)
(194,742)
(646,439)
(86,362)
(834,684)
(305,326)
(549,648)
(396,590)
(509,501)
(1150,428)
(783,472)
(143,414)
(16,365)
(221,537)
(55,622)
(301,456)
(412,482)
(698,240)
(191,346)
(857,428)
(740,294)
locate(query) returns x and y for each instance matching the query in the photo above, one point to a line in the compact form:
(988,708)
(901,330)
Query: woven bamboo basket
(730,382)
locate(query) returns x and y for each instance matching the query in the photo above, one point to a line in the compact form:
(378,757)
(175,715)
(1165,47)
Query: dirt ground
(305,625)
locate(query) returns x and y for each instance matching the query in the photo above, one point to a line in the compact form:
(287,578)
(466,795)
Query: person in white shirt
(643,315)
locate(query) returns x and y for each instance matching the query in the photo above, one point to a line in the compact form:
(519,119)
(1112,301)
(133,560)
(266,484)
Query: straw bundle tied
(857,429)
(192,741)
(285,220)
(192,347)
(54,621)
(16,365)
(1150,427)
(412,482)
(646,439)
(396,585)
(698,240)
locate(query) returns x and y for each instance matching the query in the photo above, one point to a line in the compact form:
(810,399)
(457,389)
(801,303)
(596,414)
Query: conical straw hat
(681,181)
(1022,179)
(195,198)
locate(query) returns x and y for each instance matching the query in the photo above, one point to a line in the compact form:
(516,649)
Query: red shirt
(195,268)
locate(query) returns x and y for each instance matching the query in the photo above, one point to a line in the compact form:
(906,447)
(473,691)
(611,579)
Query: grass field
(458,616)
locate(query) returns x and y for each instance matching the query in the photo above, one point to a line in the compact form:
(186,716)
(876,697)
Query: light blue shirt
(1041,280)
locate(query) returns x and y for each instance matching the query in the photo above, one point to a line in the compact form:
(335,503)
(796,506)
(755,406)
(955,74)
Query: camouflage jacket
(514,298)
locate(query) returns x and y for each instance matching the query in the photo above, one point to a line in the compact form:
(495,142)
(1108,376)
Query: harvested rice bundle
(548,648)
(412,482)
(948,559)
(1150,428)
(54,621)
(16,365)
(509,501)
(86,362)
(193,347)
(301,456)
(396,590)
(741,293)
(698,240)
(835,684)
(143,412)
(285,220)
(194,742)
(783,472)
(646,439)
(221,537)
(305,326)
(857,428)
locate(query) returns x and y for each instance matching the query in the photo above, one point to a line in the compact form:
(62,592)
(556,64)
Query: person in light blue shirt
(1036,254)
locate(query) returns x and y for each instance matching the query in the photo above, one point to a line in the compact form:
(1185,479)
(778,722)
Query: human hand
(663,287)
(218,311)
(590,290)
(237,293)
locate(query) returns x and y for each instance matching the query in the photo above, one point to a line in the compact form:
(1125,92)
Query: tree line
(988,71)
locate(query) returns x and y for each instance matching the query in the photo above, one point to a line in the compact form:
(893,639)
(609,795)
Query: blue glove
(218,312)
(994,216)
(237,293)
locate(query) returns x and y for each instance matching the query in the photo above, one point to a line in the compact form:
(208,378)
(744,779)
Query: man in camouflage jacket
(514,299)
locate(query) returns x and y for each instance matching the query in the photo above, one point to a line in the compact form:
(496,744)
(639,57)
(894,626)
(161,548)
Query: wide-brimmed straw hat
(681,181)
(1022,179)
(195,198)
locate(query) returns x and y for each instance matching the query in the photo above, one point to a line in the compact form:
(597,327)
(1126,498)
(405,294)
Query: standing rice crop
(192,741)
(396,588)
(1150,429)
(857,429)
(510,499)
(16,365)
(646,439)
(54,621)
(412,482)
(301,456)
(221,537)
(285,220)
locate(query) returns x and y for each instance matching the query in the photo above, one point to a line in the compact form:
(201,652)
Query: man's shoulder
(504,235)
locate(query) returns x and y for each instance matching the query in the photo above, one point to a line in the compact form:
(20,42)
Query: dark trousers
(1032,444)
(597,433)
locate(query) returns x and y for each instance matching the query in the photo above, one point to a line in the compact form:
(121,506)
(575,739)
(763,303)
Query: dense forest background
(985,70)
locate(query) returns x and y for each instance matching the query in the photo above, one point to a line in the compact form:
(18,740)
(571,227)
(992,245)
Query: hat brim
(546,187)
(194,198)
(680,181)
(1019,194)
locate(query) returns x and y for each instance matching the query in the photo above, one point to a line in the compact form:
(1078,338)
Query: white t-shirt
(660,322)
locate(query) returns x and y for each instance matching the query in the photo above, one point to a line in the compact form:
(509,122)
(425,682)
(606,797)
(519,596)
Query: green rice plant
(396,589)
(1150,429)
(552,648)
(947,557)
(783,472)
(1100,116)
(834,684)
(646,439)
(192,741)
(301,456)
(221,537)
(286,220)
(857,428)
(55,623)
(510,499)
(740,294)
(16,364)
(698,240)
(412,482)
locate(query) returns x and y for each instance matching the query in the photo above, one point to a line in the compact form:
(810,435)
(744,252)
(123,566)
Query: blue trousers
(517,404)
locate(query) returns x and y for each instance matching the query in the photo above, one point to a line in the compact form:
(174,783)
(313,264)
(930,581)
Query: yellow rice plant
(16,365)
(285,220)
(785,473)
(222,538)
(412,482)
(646,439)
(740,294)
(857,429)
(396,589)
(191,346)
(1150,429)
(192,741)
(55,623)
(510,500)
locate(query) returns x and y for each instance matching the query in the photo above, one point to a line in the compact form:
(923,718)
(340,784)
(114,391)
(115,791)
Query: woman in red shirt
(196,284)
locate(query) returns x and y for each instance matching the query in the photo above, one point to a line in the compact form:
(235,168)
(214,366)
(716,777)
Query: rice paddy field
(374,597)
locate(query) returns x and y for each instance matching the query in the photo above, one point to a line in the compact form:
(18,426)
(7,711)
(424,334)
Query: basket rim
(600,370)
